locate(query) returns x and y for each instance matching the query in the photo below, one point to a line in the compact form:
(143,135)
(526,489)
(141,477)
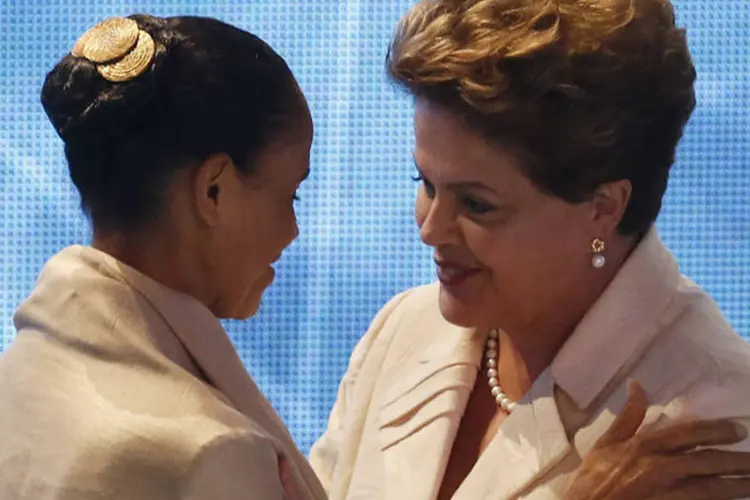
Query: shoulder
(187,458)
(698,340)
(418,305)
(231,465)
(220,464)
(410,304)
(415,305)
(698,366)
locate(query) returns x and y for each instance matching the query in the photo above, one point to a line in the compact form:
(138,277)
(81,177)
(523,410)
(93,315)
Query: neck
(526,352)
(158,255)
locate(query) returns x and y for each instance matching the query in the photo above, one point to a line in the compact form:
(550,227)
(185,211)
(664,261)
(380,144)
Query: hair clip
(119,49)
(108,40)
(133,63)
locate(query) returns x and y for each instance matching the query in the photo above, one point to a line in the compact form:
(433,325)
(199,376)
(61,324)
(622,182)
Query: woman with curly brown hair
(545,132)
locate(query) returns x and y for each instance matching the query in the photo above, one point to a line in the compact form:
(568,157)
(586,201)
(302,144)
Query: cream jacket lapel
(530,442)
(420,412)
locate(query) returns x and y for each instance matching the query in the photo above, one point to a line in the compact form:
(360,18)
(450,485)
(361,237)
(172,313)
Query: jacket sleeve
(234,467)
(711,399)
(325,453)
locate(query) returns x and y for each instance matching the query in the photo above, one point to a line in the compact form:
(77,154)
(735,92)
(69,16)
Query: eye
(296,197)
(477,207)
(428,187)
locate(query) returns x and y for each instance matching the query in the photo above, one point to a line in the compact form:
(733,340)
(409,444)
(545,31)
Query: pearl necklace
(490,354)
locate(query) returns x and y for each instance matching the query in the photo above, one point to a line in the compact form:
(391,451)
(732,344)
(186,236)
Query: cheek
(505,257)
(267,224)
(251,236)
(268,234)
(532,257)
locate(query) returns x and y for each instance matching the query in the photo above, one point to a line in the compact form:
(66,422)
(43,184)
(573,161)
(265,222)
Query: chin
(239,310)
(248,310)
(455,312)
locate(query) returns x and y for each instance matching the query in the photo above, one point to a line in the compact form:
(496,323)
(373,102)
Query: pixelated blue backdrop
(358,244)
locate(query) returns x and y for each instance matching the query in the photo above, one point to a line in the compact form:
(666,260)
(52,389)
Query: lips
(453,274)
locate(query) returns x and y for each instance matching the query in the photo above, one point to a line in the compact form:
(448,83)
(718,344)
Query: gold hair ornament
(119,49)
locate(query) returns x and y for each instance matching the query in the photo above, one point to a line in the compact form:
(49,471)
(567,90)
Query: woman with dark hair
(187,139)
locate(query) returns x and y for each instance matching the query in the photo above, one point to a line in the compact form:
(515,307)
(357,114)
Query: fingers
(629,420)
(684,436)
(706,488)
(710,463)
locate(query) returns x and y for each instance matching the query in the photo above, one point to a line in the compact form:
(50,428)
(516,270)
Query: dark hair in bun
(209,88)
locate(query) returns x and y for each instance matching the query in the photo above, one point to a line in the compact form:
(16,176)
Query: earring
(597,247)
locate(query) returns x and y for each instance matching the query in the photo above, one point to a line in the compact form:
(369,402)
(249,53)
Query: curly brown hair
(585,91)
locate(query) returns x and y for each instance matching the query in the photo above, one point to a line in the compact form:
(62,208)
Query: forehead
(287,159)
(303,124)
(447,147)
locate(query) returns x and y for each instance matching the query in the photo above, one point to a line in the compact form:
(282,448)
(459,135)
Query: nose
(437,222)
(288,231)
(295,231)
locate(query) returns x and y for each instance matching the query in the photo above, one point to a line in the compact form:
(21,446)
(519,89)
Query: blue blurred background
(358,244)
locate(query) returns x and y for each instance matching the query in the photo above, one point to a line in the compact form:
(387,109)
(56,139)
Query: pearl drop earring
(597,247)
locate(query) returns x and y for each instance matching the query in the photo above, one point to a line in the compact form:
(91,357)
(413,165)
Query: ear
(609,204)
(211,185)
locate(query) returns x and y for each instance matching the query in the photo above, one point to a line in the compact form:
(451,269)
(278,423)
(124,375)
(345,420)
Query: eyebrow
(304,176)
(479,186)
(471,185)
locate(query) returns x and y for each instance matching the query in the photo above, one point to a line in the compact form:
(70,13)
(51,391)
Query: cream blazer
(400,402)
(116,387)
